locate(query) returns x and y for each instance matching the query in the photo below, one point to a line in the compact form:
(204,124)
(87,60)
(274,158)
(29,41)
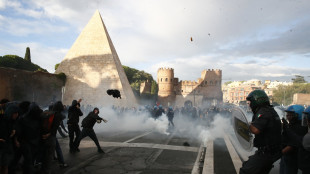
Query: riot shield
(241,128)
(281,111)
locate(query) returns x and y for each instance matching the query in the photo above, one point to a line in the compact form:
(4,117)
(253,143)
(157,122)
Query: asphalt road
(151,151)
(147,152)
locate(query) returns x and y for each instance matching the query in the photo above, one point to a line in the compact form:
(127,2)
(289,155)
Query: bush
(62,76)
(13,61)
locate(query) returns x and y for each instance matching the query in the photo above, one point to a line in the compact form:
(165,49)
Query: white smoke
(198,129)
(129,121)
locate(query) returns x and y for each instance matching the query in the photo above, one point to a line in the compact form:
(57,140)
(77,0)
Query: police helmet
(258,98)
(297,110)
(306,116)
(170,108)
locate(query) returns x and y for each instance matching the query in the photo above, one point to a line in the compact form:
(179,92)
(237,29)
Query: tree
(227,83)
(56,66)
(14,61)
(27,54)
(154,87)
(284,94)
(299,79)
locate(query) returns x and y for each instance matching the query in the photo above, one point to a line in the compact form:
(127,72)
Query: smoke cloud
(192,129)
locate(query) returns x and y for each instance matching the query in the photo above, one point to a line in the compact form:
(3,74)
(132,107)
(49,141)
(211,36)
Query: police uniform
(267,142)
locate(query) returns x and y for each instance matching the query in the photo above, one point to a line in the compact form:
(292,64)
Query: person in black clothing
(289,160)
(74,114)
(2,107)
(304,148)
(18,152)
(48,133)
(7,131)
(266,125)
(28,134)
(88,124)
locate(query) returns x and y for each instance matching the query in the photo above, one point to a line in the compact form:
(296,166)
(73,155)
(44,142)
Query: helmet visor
(304,119)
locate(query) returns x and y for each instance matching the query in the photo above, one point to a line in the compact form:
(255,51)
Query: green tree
(27,54)
(284,94)
(154,87)
(227,83)
(299,79)
(136,77)
(56,66)
(14,61)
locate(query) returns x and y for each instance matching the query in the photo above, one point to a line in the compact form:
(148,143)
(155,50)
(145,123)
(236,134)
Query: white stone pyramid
(92,67)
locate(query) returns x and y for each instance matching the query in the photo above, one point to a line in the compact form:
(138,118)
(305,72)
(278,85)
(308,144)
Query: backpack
(47,121)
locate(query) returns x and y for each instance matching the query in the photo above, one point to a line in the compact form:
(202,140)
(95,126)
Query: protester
(74,114)
(49,129)
(7,131)
(88,124)
(28,134)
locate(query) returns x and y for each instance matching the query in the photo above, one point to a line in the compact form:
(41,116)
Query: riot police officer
(289,160)
(304,150)
(266,126)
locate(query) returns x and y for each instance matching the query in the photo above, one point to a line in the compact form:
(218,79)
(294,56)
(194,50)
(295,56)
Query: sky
(246,39)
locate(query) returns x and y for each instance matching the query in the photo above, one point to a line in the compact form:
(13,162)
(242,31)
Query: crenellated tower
(165,80)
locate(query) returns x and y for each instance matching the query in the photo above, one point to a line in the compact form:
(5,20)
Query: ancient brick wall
(145,87)
(206,89)
(301,99)
(21,85)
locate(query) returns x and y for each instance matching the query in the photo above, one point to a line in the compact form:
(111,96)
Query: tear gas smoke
(197,129)
(130,121)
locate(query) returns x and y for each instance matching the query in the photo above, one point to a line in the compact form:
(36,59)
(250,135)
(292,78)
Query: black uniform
(88,124)
(268,142)
(304,155)
(289,161)
(74,114)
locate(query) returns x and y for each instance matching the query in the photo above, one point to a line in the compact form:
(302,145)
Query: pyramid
(92,67)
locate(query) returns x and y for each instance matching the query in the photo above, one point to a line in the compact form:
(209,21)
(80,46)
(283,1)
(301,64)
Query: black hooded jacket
(58,117)
(74,113)
(28,126)
(7,125)
(90,120)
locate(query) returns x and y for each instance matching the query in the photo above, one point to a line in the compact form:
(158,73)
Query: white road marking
(233,154)
(195,169)
(153,157)
(139,136)
(90,143)
(208,166)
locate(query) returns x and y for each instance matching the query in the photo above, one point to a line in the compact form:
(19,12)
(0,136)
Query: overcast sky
(246,39)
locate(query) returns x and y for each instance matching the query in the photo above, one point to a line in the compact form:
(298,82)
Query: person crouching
(88,124)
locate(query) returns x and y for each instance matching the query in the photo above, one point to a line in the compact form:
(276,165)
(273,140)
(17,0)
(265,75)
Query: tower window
(161,79)
(166,79)
(170,80)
